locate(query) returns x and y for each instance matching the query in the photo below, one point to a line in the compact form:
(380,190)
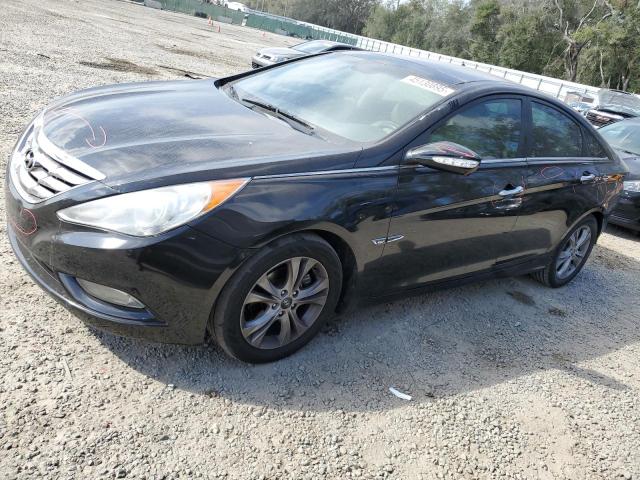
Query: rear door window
(592,146)
(554,134)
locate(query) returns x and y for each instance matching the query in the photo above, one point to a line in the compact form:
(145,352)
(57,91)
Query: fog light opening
(110,295)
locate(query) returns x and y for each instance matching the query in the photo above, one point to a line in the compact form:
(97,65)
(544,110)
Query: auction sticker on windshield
(429,85)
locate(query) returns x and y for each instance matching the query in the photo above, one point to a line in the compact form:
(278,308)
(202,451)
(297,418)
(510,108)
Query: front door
(449,225)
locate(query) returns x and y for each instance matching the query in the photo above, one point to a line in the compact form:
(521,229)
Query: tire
(240,307)
(552,275)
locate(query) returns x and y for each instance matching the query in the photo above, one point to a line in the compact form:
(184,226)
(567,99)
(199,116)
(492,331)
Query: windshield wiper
(257,103)
(280,113)
(628,151)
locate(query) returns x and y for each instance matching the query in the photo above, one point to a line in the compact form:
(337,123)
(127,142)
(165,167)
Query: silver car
(269,56)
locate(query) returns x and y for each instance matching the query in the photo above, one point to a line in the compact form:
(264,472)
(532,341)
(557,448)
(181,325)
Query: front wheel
(571,254)
(275,303)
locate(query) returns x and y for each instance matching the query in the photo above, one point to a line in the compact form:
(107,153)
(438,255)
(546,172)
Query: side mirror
(447,156)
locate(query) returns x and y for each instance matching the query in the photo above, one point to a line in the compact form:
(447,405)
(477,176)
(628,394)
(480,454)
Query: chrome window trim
(566,160)
(346,171)
(365,170)
(492,161)
(513,162)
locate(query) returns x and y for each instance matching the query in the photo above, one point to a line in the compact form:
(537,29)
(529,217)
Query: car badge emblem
(30,161)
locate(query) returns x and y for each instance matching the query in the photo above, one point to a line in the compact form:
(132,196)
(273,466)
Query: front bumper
(177,275)
(627,211)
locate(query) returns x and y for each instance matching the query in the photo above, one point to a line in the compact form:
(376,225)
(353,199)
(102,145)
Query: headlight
(633,186)
(150,212)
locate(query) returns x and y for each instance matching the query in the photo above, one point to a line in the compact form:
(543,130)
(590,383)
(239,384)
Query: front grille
(595,119)
(599,120)
(40,170)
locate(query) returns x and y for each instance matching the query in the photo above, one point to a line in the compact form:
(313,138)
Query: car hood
(632,161)
(282,52)
(615,111)
(162,131)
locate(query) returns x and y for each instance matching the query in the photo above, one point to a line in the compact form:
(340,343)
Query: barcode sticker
(427,84)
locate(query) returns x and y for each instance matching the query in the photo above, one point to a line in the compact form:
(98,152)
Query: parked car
(580,101)
(256,206)
(580,107)
(613,106)
(241,7)
(273,55)
(624,136)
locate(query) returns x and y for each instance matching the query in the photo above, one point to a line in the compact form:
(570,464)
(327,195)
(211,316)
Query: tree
(573,21)
(484,30)
(614,54)
(347,15)
(527,42)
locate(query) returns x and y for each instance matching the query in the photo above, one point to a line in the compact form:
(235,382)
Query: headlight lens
(633,186)
(150,212)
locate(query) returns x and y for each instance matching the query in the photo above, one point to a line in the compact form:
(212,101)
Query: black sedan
(256,206)
(625,138)
(272,55)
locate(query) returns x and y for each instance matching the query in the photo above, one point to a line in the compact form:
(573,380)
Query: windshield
(361,99)
(622,102)
(312,47)
(623,136)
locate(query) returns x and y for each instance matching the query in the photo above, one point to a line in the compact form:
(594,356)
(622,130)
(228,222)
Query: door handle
(513,191)
(587,177)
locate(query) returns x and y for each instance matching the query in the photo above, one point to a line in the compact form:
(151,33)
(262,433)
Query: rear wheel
(571,255)
(278,300)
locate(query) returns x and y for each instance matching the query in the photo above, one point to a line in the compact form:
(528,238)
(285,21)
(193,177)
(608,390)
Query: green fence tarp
(202,9)
(280,25)
(294,29)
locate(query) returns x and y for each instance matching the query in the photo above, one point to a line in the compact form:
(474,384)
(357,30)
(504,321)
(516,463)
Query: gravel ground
(509,379)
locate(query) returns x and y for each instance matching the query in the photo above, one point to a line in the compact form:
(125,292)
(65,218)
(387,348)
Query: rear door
(566,168)
(446,224)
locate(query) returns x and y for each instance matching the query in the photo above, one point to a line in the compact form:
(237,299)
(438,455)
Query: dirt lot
(509,379)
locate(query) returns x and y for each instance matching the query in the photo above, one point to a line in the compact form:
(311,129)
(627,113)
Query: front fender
(355,206)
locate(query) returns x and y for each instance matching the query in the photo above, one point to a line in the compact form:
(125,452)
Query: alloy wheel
(573,252)
(284,303)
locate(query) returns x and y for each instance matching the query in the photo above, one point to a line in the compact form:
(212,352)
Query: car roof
(324,42)
(441,72)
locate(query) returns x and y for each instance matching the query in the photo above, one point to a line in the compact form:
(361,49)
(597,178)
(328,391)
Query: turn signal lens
(109,295)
